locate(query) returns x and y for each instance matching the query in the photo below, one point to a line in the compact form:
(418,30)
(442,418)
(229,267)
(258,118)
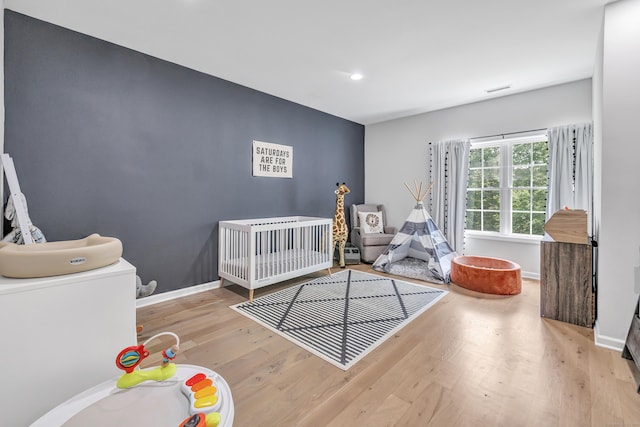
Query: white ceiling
(415,55)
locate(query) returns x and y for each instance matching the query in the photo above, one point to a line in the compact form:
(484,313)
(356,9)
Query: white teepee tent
(419,250)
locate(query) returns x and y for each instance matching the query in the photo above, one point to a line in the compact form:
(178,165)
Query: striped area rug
(341,317)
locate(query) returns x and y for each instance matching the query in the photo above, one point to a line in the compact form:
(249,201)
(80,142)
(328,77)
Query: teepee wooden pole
(426,191)
(411,191)
(417,191)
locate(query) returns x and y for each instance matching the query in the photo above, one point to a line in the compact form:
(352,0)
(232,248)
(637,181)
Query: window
(507,190)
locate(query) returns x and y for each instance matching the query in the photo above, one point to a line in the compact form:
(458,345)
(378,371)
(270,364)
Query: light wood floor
(470,360)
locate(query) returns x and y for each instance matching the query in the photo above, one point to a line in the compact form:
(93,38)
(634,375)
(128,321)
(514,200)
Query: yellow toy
(203,396)
(129,359)
(203,400)
(201,420)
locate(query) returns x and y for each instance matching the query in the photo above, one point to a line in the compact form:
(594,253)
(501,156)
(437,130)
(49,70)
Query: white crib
(258,252)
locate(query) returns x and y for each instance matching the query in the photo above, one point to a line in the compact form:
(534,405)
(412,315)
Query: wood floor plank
(387,413)
(433,406)
(606,407)
(471,359)
(628,403)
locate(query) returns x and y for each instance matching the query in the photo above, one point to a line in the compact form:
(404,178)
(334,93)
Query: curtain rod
(508,133)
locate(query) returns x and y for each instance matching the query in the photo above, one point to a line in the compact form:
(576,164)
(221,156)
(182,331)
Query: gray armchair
(371,245)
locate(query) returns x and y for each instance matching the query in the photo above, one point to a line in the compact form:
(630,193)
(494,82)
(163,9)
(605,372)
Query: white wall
(619,234)
(597,133)
(597,166)
(396,151)
(1,84)
(525,252)
(1,104)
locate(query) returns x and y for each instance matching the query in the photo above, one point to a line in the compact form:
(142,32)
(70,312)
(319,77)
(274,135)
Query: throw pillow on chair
(371,222)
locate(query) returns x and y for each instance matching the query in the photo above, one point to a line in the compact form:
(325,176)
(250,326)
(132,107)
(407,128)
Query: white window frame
(506,184)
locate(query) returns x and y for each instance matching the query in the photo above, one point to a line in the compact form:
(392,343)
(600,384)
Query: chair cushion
(376,239)
(371,222)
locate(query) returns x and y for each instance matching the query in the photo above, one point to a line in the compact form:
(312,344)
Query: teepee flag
(419,250)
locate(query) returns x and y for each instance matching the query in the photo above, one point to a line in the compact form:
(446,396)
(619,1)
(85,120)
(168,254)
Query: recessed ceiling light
(356,76)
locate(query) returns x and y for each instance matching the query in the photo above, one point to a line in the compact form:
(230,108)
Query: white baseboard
(605,341)
(191,290)
(178,293)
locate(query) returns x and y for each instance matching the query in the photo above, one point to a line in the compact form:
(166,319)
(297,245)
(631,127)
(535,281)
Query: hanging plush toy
(15,235)
(145,290)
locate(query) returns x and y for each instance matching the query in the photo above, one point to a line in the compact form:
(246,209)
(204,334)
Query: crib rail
(258,252)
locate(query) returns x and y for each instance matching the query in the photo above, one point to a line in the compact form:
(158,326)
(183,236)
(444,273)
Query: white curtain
(449,173)
(571,169)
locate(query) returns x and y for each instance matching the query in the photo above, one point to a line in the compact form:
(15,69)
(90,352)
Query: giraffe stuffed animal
(340,230)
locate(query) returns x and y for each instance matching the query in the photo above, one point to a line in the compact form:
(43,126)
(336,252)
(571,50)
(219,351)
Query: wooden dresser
(566,282)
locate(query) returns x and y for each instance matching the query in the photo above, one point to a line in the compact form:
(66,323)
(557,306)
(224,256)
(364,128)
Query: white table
(61,335)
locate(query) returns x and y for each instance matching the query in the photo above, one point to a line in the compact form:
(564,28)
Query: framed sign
(272,160)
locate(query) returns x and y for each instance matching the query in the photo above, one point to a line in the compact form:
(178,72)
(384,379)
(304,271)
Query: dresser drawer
(633,339)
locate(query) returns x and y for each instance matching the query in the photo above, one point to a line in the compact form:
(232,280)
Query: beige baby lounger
(56,258)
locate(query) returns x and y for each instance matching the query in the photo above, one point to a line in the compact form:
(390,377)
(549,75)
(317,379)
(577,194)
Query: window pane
(475,158)
(540,176)
(522,154)
(540,153)
(492,221)
(520,223)
(492,156)
(539,200)
(526,184)
(474,200)
(474,220)
(522,177)
(520,200)
(491,200)
(475,178)
(537,224)
(492,178)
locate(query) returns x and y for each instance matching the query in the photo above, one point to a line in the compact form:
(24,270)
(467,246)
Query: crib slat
(309,246)
(245,263)
(269,250)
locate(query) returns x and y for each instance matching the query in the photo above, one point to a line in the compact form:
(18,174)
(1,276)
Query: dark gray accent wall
(108,140)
